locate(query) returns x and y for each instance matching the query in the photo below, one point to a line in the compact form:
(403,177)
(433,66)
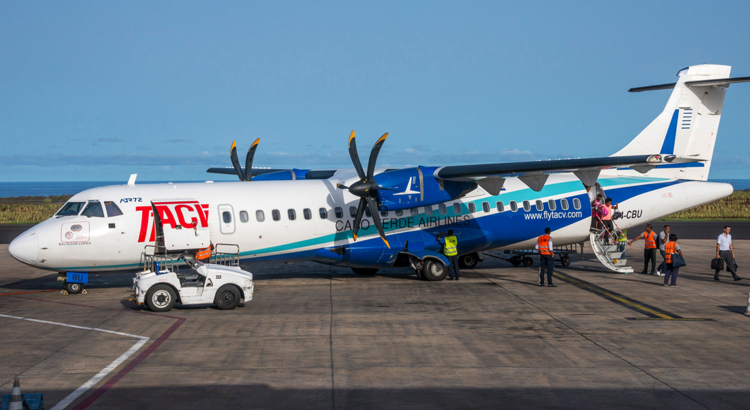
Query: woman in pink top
(607,211)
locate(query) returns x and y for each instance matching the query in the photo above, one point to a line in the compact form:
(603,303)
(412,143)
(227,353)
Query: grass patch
(30,209)
(735,206)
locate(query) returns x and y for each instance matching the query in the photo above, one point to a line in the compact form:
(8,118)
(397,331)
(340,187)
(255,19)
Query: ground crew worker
(451,252)
(649,252)
(546,257)
(204,254)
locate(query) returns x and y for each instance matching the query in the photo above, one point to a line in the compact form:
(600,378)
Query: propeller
(366,188)
(247,174)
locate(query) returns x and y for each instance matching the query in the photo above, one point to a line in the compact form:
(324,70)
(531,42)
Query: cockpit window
(112,209)
(71,208)
(94,208)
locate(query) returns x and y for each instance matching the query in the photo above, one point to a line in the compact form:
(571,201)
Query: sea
(14,189)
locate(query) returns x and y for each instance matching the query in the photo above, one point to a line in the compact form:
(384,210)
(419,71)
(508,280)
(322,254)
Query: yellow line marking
(617,298)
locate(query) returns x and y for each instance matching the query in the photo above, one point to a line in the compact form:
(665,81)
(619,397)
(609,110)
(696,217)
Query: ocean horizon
(15,189)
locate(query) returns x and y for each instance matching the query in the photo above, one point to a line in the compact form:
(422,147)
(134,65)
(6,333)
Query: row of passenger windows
(291,214)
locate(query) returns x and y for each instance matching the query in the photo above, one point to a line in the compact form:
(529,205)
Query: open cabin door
(181,224)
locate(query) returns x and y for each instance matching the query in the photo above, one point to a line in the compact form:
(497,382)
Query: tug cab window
(70,209)
(112,209)
(93,209)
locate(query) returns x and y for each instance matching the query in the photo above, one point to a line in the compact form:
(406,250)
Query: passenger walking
(670,248)
(649,251)
(546,257)
(596,212)
(725,251)
(607,211)
(663,239)
(451,252)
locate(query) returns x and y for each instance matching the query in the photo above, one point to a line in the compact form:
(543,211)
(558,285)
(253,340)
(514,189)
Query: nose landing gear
(72,282)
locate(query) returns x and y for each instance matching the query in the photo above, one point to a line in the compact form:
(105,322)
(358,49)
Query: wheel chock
(83,292)
(63,292)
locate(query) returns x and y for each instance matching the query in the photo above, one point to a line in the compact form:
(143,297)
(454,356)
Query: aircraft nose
(25,248)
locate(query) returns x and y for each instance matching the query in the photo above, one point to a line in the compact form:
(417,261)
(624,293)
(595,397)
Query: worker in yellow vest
(451,252)
(546,257)
(649,252)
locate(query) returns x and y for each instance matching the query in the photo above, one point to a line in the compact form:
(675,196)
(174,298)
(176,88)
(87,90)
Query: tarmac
(322,337)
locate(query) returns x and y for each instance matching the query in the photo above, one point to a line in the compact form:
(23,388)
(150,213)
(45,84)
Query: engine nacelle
(417,187)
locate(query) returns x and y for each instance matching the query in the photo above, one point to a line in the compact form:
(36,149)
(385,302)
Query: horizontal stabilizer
(652,88)
(702,83)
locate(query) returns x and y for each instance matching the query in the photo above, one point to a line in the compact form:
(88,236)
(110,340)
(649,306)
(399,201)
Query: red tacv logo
(187,214)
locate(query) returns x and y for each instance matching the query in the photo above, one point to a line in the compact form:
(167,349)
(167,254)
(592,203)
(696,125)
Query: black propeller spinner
(247,175)
(366,188)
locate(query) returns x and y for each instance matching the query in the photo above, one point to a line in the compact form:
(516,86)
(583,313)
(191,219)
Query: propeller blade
(249,161)
(358,219)
(341,186)
(387,189)
(355,156)
(374,156)
(236,161)
(376,219)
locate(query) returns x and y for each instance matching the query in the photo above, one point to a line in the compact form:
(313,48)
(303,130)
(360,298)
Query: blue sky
(100,90)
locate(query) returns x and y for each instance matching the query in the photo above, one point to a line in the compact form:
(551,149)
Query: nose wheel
(72,288)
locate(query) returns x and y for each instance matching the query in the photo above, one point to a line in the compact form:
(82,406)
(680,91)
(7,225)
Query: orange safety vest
(669,250)
(543,245)
(650,240)
(204,253)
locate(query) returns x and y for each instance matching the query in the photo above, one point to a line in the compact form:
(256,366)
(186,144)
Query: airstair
(611,253)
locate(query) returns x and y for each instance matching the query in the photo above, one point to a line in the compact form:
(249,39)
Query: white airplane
(379,218)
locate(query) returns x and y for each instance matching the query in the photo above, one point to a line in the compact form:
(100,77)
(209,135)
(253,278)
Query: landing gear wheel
(227,297)
(565,260)
(468,261)
(434,271)
(365,271)
(73,288)
(160,298)
(515,261)
(527,261)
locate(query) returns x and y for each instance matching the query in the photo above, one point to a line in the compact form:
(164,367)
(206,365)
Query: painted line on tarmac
(652,312)
(102,373)
(25,293)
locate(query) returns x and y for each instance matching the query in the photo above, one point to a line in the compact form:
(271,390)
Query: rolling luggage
(717,264)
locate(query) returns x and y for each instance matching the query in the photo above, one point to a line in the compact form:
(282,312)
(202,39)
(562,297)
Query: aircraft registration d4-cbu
(375,218)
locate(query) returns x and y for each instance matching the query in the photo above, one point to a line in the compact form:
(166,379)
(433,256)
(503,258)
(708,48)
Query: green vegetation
(29,209)
(34,209)
(735,206)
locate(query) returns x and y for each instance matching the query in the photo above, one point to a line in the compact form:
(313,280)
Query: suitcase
(717,264)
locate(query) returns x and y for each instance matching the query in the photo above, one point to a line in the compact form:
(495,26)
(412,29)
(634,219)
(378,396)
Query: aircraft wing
(309,174)
(534,173)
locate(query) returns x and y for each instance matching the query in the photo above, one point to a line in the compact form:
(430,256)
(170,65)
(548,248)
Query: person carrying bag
(674,259)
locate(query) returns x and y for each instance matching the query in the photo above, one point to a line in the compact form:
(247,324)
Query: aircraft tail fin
(689,123)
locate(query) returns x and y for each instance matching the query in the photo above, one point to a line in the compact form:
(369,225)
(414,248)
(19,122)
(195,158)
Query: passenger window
(291,214)
(552,205)
(472,207)
(486,206)
(428,210)
(457,208)
(443,209)
(353,211)
(539,205)
(69,209)
(414,211)
(500,206)
(384,214)
(112,209)
(260,216)
(226,216)
(564,204)
(368,213)
(526,206)
(94,209)
(307,213)
(400,212)
(276,215)
(576,203)
(513,206)
(339,212)
(243,217)
(323,213)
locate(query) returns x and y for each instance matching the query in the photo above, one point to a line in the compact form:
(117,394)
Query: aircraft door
(226,219)
(181,224)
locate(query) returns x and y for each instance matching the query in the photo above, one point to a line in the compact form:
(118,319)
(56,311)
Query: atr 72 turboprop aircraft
(375,218)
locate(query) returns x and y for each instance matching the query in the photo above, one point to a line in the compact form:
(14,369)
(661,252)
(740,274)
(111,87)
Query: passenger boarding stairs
(610,255)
